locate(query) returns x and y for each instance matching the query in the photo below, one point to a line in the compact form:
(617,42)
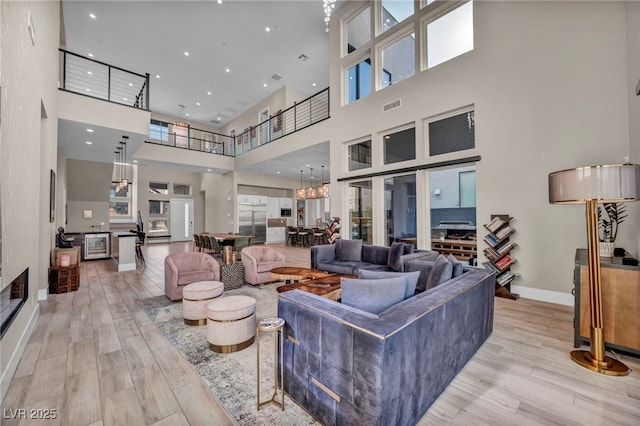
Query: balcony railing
(301,115)
(96,79)
(184,136)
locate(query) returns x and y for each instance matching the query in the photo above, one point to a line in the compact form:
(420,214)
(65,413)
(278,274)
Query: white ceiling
(152,36)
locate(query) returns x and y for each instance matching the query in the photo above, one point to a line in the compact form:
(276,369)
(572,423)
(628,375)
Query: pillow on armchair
(441,271)
(372,296)
(396,251)
(349,250)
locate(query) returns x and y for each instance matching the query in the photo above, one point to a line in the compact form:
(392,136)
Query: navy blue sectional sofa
(347,366)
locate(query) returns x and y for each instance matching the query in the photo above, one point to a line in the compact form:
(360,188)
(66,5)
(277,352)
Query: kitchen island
(123,250)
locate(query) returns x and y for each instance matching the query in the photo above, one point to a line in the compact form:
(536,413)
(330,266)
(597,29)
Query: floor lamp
(592,185)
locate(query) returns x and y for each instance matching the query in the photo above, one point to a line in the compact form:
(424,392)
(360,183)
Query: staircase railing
(86,76)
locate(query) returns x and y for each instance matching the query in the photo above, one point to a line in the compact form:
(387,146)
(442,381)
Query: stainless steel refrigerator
(252,220)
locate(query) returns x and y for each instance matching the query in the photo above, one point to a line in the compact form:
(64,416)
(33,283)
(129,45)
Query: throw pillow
(411,278)
(373,296)
(457,266)
(350,251)
(408,248)
(394,261)
(441,271)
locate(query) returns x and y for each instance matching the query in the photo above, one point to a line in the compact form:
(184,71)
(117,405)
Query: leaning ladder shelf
(333,229)
(498,254)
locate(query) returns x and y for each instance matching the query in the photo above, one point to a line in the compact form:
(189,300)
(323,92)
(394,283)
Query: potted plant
(608,226)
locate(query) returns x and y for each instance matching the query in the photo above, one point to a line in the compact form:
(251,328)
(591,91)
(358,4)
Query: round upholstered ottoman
(231,323)
(195,298)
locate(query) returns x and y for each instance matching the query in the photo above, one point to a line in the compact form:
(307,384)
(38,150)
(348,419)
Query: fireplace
(12,298)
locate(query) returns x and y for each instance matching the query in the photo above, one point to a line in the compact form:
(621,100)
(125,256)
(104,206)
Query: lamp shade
(605,183)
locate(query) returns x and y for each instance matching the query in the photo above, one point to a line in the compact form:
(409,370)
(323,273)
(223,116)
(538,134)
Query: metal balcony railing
(181,135)
(96,79)
(301,115)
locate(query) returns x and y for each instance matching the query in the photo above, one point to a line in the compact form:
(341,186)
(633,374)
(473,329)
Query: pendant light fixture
(313,191)
(301,193)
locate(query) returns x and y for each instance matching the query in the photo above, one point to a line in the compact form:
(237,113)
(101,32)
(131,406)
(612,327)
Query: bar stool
(275,326)
(292,236)
(318,237)
(303,237)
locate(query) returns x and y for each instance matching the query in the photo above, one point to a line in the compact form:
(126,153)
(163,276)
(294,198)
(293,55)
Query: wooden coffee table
(327,286)
(290,273)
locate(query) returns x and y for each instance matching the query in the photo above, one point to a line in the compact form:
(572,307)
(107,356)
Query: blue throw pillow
(441,271)
(394,261)
(372,296)
(408,248)
(457,266)
(350,251)
(410,277)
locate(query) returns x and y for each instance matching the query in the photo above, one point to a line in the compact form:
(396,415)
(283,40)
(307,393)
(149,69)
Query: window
(119,201)
(467,188)
(159,218)
(159,131)
(359,30)
(359,155)
(398,60)
(359,81)
(181,189)
(360,208)
(400,208)
(399,146)
(450,35)
(452,134)
(394,11)
(158,188)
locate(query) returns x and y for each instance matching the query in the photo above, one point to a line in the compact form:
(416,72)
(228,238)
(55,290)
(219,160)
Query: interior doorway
(263,117)
(181,219)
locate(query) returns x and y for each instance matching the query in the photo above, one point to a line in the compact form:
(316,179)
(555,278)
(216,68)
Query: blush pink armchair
(181,269)
(258,261)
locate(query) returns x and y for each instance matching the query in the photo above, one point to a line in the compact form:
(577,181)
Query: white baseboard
(43,294)
(560,298)
(16,356)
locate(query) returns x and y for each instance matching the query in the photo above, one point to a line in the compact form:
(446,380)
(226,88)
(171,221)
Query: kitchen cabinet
(285,203)
(276,235)
(273,207)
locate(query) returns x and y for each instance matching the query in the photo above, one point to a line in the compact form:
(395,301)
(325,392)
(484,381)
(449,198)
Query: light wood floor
(97,359)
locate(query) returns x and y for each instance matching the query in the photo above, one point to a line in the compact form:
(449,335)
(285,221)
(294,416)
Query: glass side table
(275,326)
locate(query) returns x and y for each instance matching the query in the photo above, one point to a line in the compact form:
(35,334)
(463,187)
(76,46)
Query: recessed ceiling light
(89,72)
(308,165)
(198,103)
(135,161)
(130,84)
(90,130)
(219,1)
(89,143)
(208,170)
(90,55)
(186,53)
(265,84)
(187,114)
(208,93)
(157,75)
(88,90)
(92,16)
(267,29)
(227,70)
(314,85)
(278,172)
(125,99)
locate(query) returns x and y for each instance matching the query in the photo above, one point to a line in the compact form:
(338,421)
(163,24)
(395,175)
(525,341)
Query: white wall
(548,84)
(633,60)
(28,154)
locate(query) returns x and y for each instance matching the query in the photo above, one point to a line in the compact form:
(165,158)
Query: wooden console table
(620,303)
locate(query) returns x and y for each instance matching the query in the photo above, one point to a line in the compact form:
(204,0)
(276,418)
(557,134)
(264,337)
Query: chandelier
(180,122)
(313,192)
(121,165)
(328,5)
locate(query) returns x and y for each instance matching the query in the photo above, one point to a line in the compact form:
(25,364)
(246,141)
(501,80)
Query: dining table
(226,238)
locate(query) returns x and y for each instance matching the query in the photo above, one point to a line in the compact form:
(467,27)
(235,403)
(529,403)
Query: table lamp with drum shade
(592,185)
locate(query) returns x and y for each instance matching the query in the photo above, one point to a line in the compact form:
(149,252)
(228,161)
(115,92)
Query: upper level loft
(95,79)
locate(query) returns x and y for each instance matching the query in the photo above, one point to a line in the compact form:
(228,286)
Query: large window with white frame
(361,211)
(400,208)
(359,80)
(359,155)
(120,201)
(399,145)
(358,30)
(449,35)
(397,60)
(451,133)
(392,12)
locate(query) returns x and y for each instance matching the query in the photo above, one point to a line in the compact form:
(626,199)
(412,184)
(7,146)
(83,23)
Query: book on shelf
(506,277)
(504,231)
(490,266)
(491,254)
(495,224)
(503,261)
(490,239)
(504,247)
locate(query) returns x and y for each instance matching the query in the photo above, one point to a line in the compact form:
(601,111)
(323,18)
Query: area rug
(231,377)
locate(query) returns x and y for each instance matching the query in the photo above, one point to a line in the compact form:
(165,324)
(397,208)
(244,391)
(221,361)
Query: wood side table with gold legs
(275,326)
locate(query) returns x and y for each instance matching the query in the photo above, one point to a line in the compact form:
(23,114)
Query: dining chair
(197,242)
(215,245)
(292,236)
(139,243)
(240,243)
